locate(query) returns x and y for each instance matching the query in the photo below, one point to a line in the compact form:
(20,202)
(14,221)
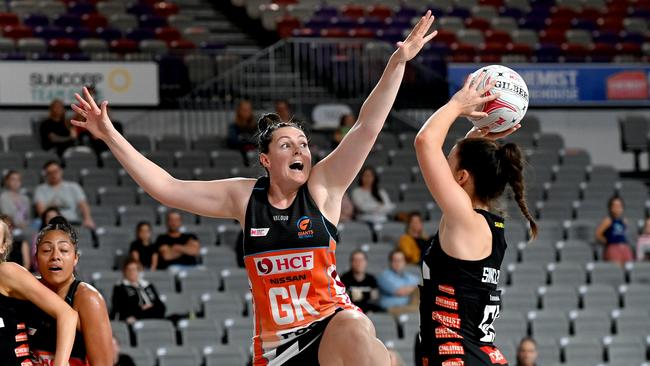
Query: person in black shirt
(20,250)
(56,132)
(459,298)
(142,248)
(361,286)
(135,298)
(175,247)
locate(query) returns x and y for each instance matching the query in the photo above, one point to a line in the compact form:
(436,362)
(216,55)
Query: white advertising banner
(37,83)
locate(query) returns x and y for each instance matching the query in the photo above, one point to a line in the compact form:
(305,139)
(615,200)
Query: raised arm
(225,198)
(20,284)
(335,173)
(448,194)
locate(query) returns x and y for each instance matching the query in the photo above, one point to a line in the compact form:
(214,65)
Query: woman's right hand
(470,96)
(97,121)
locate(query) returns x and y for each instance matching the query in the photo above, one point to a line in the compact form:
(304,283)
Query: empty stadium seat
(153,333)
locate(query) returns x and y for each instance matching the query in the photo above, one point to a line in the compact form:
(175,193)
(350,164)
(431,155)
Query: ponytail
(512,167)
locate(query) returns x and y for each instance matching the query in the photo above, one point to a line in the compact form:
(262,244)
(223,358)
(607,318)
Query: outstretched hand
(485,132)
(418,37)
(96,117)
(470,96)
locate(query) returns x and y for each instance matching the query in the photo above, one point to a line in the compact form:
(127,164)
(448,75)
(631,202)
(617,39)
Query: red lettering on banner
(496,357)
(453,362)
(447,302)
(444,332)
(627,85)
(450,320)
(22,350)
(451,348)
(21,337)
(447,289)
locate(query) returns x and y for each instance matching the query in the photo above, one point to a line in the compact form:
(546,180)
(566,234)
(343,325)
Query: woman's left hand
(410,47)
(485,132)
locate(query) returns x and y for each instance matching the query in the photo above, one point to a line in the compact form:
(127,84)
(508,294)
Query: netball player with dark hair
(302,314)
(57,255)
(18,288)
(459,299)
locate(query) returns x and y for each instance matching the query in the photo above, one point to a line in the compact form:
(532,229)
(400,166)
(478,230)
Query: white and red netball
(512,104)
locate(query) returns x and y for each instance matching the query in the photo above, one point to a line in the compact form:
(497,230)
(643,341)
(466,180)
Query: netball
(511,106)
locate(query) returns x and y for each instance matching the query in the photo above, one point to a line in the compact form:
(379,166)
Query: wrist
(396,60)
(454,106)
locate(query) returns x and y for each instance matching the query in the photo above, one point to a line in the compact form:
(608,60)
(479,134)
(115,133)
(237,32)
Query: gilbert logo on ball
(508,110)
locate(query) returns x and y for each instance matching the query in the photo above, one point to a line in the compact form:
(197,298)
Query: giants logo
(453,362)
(304,228)
(450,320)
(284,263)
(446,302)
(444,332)
(451,348)
(496,357)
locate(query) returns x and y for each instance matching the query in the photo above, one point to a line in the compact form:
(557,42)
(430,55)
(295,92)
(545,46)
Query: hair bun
(269,119)
(59,220)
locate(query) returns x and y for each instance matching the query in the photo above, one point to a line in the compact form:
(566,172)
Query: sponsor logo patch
(26,363)
(284,263)
(20,326)
(453,362)
(444,332)
(21,337)
(304,228)
(258,232)
(451,348)
(447,289)
(446,302)
(22,350)
(496,357)
(450,320)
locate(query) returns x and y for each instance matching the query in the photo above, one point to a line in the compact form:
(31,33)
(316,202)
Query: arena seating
(477,31)
(556,289)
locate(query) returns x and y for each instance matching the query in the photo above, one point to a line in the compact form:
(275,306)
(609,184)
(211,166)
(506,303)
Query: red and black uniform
(289,257)
(14,347)
(42,328)
(459,303)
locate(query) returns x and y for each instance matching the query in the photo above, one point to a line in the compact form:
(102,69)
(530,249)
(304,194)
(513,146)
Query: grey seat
(104,215)
(178,305)
(93,178)
(635,25)
(527,274)
(471,36)
(123,22)
(222,305)
(93,45)
(607,273)
(510,326)
(525,36)
(591,323)
(153,46)
(150,333)
(537,252)
(200,332)
(628,350)
(7,45)
(632,322)
(163,280)
(141,143)
(192,159)
(208,143)
(582,351)
(121,333)
(178,356)
(32,45)
(519,299)
(171,143)
(599,297)
(548,324)
(559,297)
(218,257)
(116,196)
(567,273)
(355,232)
(165,159)
(197,281)
(451,24)
(239,331)
(634,129)
(635,296)
(36,159)
(130,215)
(385,325)
(639,272)
(141,356)
(225,355)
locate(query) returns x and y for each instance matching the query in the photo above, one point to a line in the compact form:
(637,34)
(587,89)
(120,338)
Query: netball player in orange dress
(302,315)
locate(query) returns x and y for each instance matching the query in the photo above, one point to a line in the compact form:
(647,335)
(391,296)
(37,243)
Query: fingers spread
(430,36)
(90,100)
(74,122)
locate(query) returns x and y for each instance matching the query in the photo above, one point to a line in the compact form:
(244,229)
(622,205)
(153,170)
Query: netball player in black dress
(301,311)
(459,299)
(18,290)
(57,255)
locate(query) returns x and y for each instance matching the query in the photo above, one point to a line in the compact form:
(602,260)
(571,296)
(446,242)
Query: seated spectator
(397,286)
(414,242)
(142,248)
(242,131)
(68,196)
(176,248)
(527,352)
(56,132)
(135,298)
(283,109)
(347,209)
(20,251)
(361,285)
(371,203)
(643,242)
(612,233)
(345,124)
(120,359)
(13,202)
